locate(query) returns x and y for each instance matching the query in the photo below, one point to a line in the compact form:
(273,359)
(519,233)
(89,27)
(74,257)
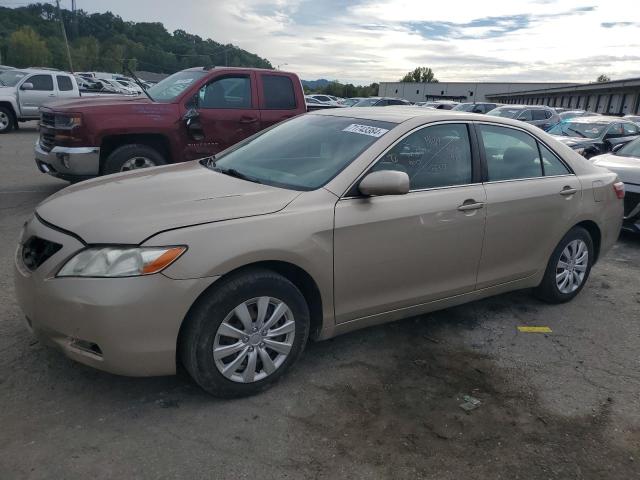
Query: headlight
(68,121)
(120,261)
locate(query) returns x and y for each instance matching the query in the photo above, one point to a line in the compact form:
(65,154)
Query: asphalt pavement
(381,403)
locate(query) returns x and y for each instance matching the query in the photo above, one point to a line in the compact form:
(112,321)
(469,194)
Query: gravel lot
(376,404)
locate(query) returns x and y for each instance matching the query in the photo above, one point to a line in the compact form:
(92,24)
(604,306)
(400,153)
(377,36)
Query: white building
(459,91)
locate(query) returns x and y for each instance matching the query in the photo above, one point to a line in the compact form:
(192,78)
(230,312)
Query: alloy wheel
(572,266)
(135,163)
(4,121)
(254,339)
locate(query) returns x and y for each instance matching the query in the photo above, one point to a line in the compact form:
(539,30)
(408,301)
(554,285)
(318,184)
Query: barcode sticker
(365,130)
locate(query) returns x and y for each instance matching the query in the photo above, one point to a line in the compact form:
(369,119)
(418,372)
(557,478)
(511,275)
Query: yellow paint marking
(534,329)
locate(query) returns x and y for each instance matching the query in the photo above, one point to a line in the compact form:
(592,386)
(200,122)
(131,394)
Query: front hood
(127,208)
(4,91)
(574,142)
(627,168)
(89,103)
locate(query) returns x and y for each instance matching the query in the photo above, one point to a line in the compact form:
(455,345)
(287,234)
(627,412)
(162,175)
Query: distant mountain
(315,84)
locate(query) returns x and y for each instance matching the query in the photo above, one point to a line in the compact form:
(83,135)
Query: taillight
(618,187)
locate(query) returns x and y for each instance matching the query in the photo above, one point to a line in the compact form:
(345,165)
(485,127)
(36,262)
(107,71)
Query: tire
(7,120)
(204,331)
(550,289)
(121,157)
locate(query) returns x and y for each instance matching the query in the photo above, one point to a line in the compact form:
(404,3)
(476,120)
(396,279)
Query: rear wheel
(132,157)
(243,336)
(7,121)
(568,268)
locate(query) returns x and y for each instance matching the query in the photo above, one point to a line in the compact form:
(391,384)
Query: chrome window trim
(513,127)
(406,134)
(420,190)
(490,182)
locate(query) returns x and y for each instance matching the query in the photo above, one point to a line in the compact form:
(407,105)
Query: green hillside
(31,36)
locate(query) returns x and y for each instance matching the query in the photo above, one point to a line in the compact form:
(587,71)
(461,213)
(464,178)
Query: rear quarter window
(64,83)
(279,93)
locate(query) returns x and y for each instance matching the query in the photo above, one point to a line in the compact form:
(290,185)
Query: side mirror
(617,147)
(190,116)
(385,182)
(26,86)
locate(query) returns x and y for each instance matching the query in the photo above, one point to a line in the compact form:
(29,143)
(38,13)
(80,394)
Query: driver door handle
(566,191)
(469,205)
(248,119)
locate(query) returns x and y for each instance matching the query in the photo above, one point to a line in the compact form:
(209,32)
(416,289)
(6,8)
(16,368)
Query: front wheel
(243,335)
(568,268)
(7,122)
(132,157)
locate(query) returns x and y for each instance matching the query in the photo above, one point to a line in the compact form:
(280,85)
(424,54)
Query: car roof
(599,119)
(401,113)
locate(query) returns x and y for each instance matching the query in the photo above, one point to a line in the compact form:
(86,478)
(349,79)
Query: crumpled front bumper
(68,162)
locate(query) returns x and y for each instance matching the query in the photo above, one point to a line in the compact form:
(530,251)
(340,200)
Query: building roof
(612,84)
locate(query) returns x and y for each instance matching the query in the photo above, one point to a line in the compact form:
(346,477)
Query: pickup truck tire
(132,157)
(7,120)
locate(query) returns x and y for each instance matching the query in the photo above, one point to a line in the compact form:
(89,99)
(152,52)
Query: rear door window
(539,115)
(630,129)
(41,82)
(525,116)
(278,92)
(510,154)
(64,83)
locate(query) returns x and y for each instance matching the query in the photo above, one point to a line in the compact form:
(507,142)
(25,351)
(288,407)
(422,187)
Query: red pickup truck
(191,114)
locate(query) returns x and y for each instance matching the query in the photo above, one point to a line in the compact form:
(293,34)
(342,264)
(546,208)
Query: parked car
(329,222)
(350,102)
(314,104)
(540,116)
(560,109)
(4,68)
(569,114)
(380,102)
(326,99)
(624,160)
(23,92)
(194,113)
(441,104)
(590,136)
(477,107)
(633,118)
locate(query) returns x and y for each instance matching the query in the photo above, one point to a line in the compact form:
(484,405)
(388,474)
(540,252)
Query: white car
(625,161)
(326,99)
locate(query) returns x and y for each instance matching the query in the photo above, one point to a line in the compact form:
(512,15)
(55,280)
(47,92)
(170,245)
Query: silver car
(329,222)
(538,115)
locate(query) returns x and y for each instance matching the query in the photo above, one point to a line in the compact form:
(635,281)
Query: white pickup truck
(24,91)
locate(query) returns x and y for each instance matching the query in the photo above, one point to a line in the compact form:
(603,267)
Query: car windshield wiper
(232,172)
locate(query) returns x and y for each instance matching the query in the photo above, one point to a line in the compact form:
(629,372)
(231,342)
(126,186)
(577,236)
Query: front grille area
(36,251)
(48,119)
(631,200)
(47,140)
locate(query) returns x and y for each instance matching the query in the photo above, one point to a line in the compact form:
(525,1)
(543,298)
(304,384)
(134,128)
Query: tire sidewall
(120,155)
(549,284)
(12,121)
(209,315)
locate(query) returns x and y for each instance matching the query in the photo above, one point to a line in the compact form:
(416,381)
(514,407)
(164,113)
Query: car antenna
(138,82)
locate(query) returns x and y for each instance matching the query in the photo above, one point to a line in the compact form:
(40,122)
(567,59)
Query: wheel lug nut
(251,349)
(254,329)
(264,333)
(245,339)
(261,345)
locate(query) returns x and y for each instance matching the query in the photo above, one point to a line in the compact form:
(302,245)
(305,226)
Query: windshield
(11,77)
(367,102)
(169,88)
(577,129)
(303,153)
(505,112)
(631,149)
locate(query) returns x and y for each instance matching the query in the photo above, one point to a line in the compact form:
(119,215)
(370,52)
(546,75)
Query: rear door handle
(248,119)
(469,205)
(566,191)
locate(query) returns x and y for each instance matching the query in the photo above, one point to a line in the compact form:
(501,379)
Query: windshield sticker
(365,130)
(186,81)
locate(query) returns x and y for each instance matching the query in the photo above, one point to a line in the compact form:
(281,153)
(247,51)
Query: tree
(603,78)
(420,75)
(26,48)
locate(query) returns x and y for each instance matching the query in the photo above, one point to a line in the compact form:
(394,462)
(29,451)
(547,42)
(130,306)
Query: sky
(363,41)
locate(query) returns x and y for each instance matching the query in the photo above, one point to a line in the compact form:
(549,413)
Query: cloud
(362,41)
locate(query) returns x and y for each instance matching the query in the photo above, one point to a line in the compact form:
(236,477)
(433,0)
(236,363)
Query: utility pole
(64,35)
(75,19)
